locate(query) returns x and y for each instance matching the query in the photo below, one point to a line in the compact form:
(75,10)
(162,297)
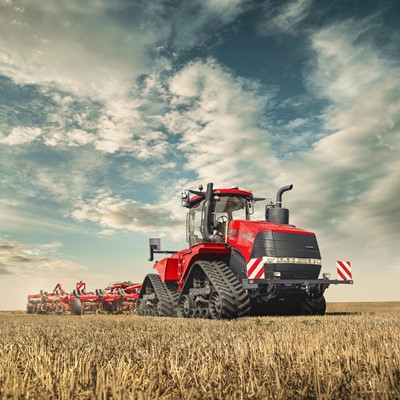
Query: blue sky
(109,109)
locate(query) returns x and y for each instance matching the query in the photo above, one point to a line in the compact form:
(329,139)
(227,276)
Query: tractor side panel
(167,269)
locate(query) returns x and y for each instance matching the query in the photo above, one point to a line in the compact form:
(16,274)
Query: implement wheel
(76,306)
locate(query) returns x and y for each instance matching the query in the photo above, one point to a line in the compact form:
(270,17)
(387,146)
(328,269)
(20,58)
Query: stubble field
(351,353)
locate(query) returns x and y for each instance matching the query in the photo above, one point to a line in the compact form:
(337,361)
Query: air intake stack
(276,213)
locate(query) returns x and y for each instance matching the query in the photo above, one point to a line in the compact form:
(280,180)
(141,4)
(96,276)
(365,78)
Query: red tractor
(234,266)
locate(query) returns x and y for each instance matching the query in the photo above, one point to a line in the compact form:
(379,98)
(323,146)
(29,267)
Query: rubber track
(235,300)
(172,290)
(167,307)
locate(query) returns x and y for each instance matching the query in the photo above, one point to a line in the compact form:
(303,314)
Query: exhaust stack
(275,213)
(207,235)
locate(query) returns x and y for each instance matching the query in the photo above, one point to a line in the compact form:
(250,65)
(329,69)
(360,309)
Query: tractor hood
(291,251)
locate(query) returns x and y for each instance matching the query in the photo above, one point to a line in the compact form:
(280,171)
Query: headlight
(326,275)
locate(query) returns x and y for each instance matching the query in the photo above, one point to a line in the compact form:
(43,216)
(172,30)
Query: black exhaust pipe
(209,202)
(282,190)
(276,213)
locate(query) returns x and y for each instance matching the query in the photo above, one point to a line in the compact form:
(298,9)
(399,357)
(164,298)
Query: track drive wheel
(76,306)
(311,306)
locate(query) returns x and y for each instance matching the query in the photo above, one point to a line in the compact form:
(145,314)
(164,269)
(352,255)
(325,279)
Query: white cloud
(284,18)
(107,232)
(116,213)
(50,246)
(21,135)
(123,127)
(73,138)
(195,21)
(297,122)
(347,66)
(226,9)
(219,131)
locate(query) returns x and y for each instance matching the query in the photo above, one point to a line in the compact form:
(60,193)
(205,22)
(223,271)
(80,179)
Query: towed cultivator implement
(116,298)
(55,302)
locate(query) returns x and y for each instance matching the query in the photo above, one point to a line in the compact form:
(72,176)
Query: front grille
(291,246)
(284,244)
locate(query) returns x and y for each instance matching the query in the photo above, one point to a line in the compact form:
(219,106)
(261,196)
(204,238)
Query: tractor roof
(222,192)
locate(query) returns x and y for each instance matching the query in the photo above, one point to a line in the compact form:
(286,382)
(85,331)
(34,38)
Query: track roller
(186,306)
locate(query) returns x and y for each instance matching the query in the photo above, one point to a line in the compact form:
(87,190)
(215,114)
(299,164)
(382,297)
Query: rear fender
(167,269)
(207,251)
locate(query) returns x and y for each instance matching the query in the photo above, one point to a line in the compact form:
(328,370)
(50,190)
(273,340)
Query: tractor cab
(209,217)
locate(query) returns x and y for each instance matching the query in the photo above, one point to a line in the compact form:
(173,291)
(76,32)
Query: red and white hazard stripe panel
(344,270)
(255,268)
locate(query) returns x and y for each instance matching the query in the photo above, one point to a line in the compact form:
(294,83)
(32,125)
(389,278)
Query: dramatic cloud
(107,112)
(20,260)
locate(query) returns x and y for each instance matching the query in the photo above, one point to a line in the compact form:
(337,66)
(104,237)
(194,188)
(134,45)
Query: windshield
(226,208)
(233,207)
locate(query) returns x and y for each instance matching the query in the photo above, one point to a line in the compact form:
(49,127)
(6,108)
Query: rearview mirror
(185,199)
